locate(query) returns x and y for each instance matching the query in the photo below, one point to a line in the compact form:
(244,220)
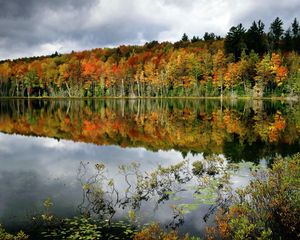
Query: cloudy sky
(37,27)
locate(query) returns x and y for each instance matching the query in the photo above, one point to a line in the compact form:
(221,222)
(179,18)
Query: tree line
(245,63)
(255,39)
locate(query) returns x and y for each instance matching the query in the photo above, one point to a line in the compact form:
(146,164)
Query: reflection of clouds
(34,168)
(23,192)
(56,163)
(55,144)
(169,154)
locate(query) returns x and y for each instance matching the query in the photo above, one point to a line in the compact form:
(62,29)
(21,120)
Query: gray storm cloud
(38,27)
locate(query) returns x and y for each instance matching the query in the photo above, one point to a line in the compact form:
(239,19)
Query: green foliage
(235,41)
(269,207)
(7,236)
(85,228)
(242,229)
(47,216)
(256,38)
(275,34)
(198,168)
(209,36)
(185,37)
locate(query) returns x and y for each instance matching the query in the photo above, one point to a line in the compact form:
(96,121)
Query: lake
(49,149)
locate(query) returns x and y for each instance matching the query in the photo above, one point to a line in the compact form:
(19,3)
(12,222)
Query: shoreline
(293,99)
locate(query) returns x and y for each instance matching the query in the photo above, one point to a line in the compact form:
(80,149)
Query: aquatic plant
(8,236)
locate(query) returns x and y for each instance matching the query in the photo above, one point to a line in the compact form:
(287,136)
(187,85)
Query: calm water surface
(46,146)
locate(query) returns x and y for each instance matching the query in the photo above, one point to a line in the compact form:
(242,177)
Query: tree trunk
(122,88)
(17,84)
(69,91)
(222,89)
(138,86)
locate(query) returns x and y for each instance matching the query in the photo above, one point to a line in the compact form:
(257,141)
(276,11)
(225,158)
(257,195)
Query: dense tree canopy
(245,63)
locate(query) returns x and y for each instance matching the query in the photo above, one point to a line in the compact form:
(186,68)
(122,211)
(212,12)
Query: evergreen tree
(275,34)
(195,39)
(287,40)
(256,38)
(295,28)
(235,41)
(185,38)
(209,36)
(296,35)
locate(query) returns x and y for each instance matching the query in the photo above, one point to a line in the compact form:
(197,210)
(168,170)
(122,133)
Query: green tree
(209,36)
(235,41)
(195,39)
(256,39)
(296,35)
(287,40)
(185,38)
(295,28)
(275,34)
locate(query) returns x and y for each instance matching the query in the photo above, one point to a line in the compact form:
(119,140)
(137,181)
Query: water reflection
(241,130)
(116,132)
(174,191)
(33,169)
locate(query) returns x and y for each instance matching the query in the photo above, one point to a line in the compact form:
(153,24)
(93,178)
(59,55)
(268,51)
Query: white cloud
(43,27)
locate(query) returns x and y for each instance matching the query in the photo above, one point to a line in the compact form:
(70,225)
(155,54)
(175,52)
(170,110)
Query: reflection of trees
(185,125)
(235,151)
(103,197)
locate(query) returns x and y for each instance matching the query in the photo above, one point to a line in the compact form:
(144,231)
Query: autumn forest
(252,62)
(192,139)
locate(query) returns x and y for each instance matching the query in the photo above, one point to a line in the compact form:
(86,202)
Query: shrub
(198,168)
(269,207)
(154,232)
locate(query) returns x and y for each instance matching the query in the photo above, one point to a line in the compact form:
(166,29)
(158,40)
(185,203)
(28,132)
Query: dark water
(46,146)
